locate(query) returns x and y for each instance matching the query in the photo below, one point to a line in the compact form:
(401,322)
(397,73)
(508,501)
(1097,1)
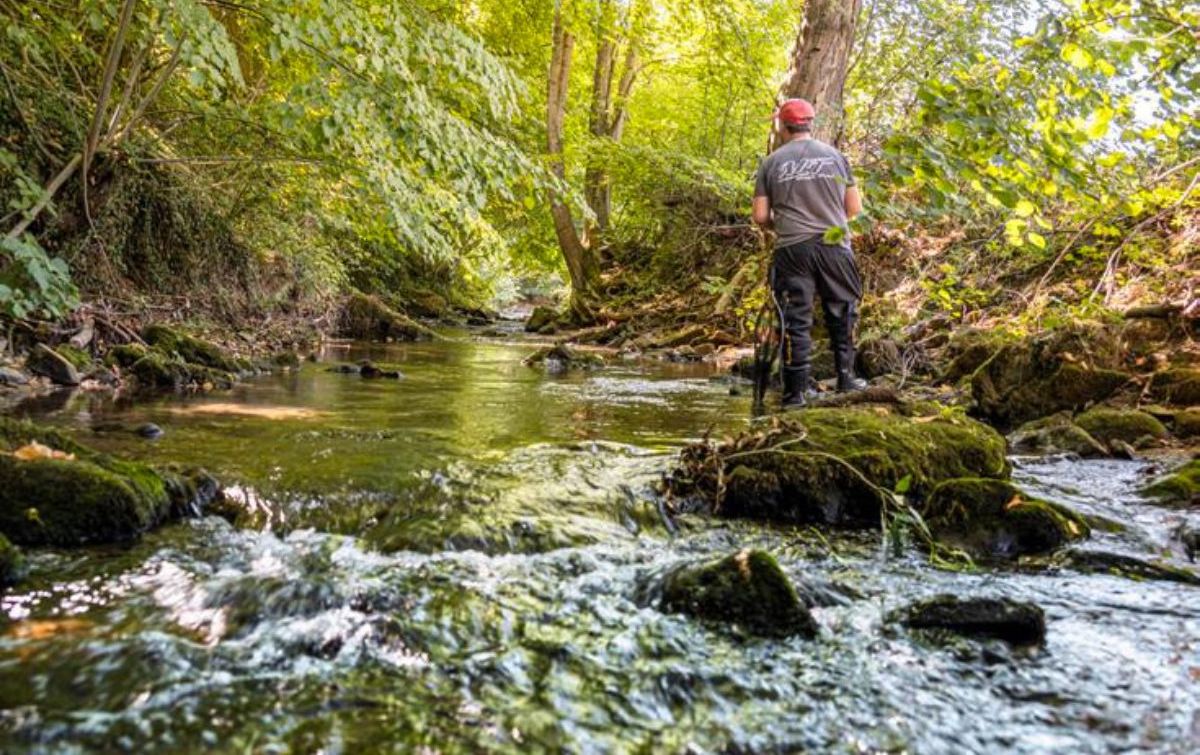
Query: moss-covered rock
(562,358)
(125,354)
(79,358)
(1124,565)
(879,356)
(1186,423)
(747,589)
(1180,489)
(1067,369)
(834,465)
(190,349)
(1127,425)
(1015,622)
(1055,434)
(82,496)
(366,317)
(1180,386)
(540,318)
(47,362)
(12,563)
(992,519)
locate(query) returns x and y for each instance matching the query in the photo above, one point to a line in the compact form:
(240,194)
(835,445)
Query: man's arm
(760,211)
(853,202)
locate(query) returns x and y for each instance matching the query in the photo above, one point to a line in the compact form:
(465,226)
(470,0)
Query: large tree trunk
(581,262)
(819,63)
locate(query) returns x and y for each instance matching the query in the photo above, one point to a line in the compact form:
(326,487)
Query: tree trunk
(581,264)
(820,62)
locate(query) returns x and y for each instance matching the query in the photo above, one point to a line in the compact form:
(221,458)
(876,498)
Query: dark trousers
(810,268)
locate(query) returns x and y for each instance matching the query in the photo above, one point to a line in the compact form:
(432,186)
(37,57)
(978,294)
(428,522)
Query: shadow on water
(452,560)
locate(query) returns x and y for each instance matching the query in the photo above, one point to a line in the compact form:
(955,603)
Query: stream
(449,563)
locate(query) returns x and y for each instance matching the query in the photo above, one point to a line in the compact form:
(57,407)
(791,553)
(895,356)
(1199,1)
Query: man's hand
(760,211)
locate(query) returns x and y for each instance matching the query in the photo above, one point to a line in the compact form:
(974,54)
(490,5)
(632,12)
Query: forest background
(1023,162)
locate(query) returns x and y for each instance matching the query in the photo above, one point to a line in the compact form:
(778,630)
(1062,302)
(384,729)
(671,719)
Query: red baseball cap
(796,111)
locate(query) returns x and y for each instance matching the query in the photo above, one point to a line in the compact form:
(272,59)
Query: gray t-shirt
(806,182)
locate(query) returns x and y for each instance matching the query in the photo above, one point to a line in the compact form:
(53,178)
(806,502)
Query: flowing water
(450,562)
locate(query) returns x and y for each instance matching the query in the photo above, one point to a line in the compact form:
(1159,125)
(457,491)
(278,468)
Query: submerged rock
(1126,425)
(366,317)
(1180,489)
(12,563)
(1015,622)
(48,363)
(833,465)
(562,358)
(1124,565)
(54,491)
(747,589)
(992,519)
(10,376)
(1055,434)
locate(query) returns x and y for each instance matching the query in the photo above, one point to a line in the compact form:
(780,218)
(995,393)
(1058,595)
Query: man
(805,190)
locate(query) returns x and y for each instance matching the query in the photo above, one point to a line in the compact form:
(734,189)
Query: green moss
(125,354)
(157,370)
(1178,386)
(368,318)
(12,563)
(747,589)
(1186,423)
(1059,370)
(93,498)
(1180,488)
(1016,622)
(1122,565)
(1055,434)
(189,348)
(79,358)
(968,350)
(1128,425)
(829,464)
(993,519)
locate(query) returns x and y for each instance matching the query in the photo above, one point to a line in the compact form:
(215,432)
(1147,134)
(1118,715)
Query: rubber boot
(840,323)
(796,387)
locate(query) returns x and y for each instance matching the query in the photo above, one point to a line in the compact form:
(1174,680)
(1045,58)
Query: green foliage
(33,283)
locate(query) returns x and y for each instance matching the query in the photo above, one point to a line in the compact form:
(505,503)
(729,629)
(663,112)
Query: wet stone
(48,363)
(1180,489)
(746,589)
(1055,434)
(1015,622)
(11,376)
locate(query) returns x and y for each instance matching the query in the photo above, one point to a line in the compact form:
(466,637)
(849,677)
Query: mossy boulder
(1126,425)
(880,356)
(1124,565)
(12,563)
(541,319)
(1186,423)
(1067,369)
(367,317)
(1180,386)
(48,363)
(79,358)
(747,589)
(562,358)
(1180,488)
(69,494)
(1013,621)
(190,349)
(125,354)
(992,519)
(833,465)
(969,349)
(1056,434)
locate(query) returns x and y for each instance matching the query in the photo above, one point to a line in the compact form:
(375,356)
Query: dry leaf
(34,450)
(1015,502)
(923,420)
